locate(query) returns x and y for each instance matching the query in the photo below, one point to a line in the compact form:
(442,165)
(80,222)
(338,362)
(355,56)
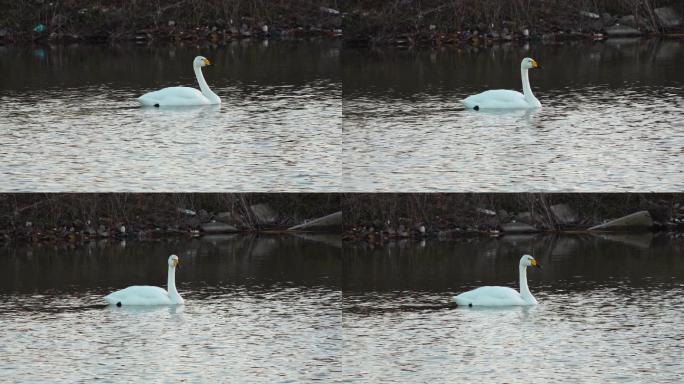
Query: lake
(291,308)
(610,310)
(611,120)
(263,309)
(70,121)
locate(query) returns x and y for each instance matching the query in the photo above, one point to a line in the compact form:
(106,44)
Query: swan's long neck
(171,285)
(527,90)
(204,87)
(524,289)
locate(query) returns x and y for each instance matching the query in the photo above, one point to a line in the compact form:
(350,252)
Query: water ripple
(278,128)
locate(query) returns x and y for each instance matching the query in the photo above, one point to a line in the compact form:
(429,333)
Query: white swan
(506,99)
(501,296)
(183,96)
(148,295)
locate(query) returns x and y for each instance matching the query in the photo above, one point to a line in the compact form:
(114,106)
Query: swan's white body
(507,99)
(183,96)
(149,295)
(501,296)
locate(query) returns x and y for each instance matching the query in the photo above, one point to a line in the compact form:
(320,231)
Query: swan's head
(173,261)
(201,61)
(529,261)
(529,63)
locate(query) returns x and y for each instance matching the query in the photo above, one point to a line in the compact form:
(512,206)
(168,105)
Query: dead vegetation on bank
(413,22)
(143,21)
(379,217)
(73,217)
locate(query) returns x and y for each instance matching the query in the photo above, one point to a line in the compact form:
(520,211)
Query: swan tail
(462,301)
(147,102)
(470,104)
(111,300)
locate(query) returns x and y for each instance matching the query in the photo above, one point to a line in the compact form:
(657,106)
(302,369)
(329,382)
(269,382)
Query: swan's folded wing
(138,295)
(496,98)
(489,296)
(173,96)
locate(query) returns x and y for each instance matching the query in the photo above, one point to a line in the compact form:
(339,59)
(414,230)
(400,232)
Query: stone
(329,11)
(607,19)
(203,216)
(264,214)
(525,217)
(102,231)
(618,30)
(628,20)
(516,227)
(244,30)
(503,215)
(217,227)
(668,17)
(636,221)
(225,217)
(329,222)
(485,211)
(563,214)
(188,212)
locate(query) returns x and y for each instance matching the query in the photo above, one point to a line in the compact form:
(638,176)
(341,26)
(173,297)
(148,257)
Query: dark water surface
(281,309)
(610,310)
(257,309)
(69,120)
(611,119)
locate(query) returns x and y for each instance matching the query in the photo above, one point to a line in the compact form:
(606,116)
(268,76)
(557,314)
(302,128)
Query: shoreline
(388,217)
(464,39)
(161,40)
(380,238)
(212,21)
(72,218)
(435,23)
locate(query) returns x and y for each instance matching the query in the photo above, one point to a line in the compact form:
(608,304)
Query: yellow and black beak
(535,65)
(534,263)
(206,61)
(175,263)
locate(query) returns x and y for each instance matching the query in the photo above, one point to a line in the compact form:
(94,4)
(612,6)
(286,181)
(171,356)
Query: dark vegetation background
(379,21)
(468,209)
(152,209)
(142,19)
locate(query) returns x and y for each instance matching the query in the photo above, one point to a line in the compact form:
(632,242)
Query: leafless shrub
(465,208)
(54,210)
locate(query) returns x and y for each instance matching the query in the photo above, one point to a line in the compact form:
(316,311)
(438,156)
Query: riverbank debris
(333,220)
(636,221)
